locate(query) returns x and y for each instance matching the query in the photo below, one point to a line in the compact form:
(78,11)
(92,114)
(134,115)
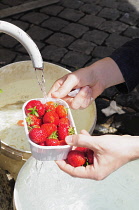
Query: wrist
(134,148)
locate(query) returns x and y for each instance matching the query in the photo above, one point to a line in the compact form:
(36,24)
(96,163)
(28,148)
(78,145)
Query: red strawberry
(90,156)
(49,128)
(76,158)
(32,120)
(52,142)
(62,142)
(37,135)
(50,106)
(64,120)
(61,111)
(63,131)
(51,117)
(82,149)
(35,107)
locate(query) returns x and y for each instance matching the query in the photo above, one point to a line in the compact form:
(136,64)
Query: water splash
(41,80)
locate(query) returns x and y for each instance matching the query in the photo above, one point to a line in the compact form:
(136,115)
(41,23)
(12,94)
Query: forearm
(133,147)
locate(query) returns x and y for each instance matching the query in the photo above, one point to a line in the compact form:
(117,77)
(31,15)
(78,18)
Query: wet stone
(116,40)
(101,51)
(39,33)
(95,36)
(23,25)
(60,39)
(7,56)
(92,21)
(8,41)
(130,18)
(53,53)
(125,7)
(108,3)
(55,23)
(113,26)
(132,32)
(71,14)
(75,29)
(75,59)
(82,46)
(34,17)
(52,10)
(90,8)
(71,4)
(109,13)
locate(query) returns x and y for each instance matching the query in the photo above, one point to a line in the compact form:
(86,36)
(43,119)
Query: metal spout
(25,40)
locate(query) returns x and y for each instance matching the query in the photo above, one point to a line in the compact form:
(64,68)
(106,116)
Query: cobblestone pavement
(74,34)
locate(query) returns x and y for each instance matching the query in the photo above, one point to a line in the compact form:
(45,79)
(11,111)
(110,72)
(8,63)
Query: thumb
(81,140)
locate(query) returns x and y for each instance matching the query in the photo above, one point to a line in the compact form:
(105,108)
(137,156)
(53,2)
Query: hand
(110,153)
(91,80)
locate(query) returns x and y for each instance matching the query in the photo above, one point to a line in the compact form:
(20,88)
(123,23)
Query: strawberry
(51,117)
(52,142)
(64,120)
(63,130)
(37,135)
(50,106)
(35,107)
(82,149)
(90,156)
(61,111)
(76,158)
(32,120)
(62,142)
(49,128)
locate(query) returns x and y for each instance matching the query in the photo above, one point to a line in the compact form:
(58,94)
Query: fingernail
(68,139)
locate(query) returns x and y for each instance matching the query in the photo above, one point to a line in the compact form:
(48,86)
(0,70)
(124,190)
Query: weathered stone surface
(21,24)
(113,26)
(75,59)
(102,51)
(51,10)
(7,56)
(90,8)
(107,3)
(116,40)
(34,17)
(60,39)
(55,23)
(53,53)
(21,49)
(82,46)
(125,7)
(130,18)
(71,14)
(132,32)
(75,29)
(38,33)
(71,4)
(109,13)
(95,36)
(91,21)
(8,41)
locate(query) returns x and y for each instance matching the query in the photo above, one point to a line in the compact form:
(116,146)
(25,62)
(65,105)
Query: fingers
(84,132)
(82,140)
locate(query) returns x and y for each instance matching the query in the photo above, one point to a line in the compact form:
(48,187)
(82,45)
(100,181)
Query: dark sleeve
(127,59)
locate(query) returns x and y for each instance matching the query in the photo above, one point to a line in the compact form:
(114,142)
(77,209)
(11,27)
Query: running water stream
(41,80)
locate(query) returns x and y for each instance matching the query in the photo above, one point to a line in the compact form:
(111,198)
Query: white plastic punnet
(49,153)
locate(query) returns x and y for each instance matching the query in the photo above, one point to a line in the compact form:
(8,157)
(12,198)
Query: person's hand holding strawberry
(110,153)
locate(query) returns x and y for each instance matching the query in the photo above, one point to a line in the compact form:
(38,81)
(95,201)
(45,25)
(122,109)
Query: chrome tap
(25,40)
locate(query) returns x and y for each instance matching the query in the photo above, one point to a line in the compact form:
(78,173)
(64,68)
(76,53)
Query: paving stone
(55,23)
(8,41)
(14,2)
(74,4)
(125,7)
(39,33)
(90,9)
(102,51)
(71,14)
(92,21)
(52,10)
(60,39)
(115,40)
(109,13)
(83,46)
(3,6)
(130,18)
(23,25)
(21,49)
(95,36)
(132,32)
(75,59)
(108,3)
(21,57)
(91,1)
(53,53)
(113,26)
(75,29)
(34,17)
(7,56)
